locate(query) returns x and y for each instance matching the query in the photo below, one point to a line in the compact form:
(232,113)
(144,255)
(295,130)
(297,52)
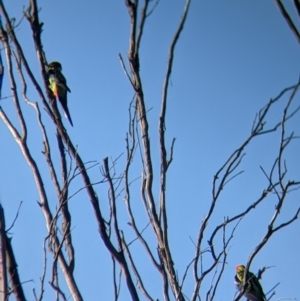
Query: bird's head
(240,270)
(55,66)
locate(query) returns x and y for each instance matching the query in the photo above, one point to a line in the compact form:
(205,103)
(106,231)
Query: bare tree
(209,261)
(288,18)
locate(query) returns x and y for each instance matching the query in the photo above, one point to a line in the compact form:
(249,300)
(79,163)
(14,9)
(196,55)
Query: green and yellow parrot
(253,291)
(58,85)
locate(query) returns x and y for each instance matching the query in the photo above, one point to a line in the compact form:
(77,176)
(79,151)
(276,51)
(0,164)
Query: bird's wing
(53,79)
(257,287)
(62,80)
(253,296)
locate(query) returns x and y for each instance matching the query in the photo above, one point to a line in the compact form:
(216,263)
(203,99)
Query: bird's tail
(68,116)
(66,110)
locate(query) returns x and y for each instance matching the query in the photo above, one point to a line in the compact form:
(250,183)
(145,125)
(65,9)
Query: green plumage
(254,290)
(58,85)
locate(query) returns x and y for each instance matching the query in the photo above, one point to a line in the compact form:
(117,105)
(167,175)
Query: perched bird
(253,291)
(58,85)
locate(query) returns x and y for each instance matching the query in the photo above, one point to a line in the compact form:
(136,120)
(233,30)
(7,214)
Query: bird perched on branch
(58,85)
(253,290)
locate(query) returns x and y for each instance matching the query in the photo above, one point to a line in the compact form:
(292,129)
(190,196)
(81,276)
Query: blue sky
(232,57)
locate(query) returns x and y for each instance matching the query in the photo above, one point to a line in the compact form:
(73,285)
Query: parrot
(58,85)
(254,291)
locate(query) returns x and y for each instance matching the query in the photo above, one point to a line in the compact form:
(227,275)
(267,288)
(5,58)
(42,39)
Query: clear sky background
(232,57)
